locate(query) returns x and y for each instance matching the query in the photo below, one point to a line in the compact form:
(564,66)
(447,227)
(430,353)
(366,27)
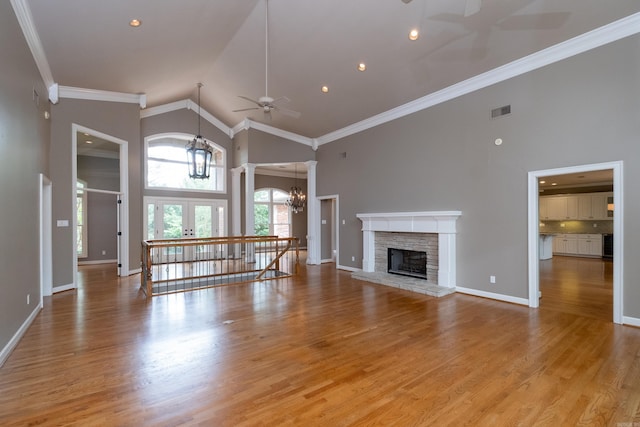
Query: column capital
(249,167)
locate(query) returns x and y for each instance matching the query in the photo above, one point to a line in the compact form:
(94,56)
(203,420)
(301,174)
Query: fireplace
(431,232)
(407,263)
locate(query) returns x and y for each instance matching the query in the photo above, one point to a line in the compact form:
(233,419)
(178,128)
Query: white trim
(492,295)
(187,104)
(618,231)
(100,261)
(25,19)
(15,339)
(631,321)
(279,132)
(101,95)
(347,268)
(63,288)
(134,271)
(46,236)
(606,34)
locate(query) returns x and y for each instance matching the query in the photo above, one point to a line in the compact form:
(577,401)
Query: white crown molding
(102,95)
(600,36)
(279,132)
(25,19)
(186,104)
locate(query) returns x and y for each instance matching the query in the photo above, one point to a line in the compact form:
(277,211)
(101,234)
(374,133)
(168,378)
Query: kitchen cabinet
(586,207)
(592,206)
(578,244)
(563,207)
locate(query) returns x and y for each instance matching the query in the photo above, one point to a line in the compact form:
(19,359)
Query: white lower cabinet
(578,244)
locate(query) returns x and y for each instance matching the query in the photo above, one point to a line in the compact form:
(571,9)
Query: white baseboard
(344,267)
(98,261)
(134,271)
(63,288)
(13,342)
(491,295)
(631,321)
(327,261)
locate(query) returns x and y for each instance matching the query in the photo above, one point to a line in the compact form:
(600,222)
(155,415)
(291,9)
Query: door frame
(123,236)
(336,215)
(618,231)
(46,238)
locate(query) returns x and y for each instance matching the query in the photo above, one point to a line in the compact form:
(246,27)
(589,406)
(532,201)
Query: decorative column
(236,214)
(313,215)
(249,212)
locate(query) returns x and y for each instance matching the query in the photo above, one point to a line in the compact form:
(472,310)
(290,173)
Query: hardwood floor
(582,286)
(320,349)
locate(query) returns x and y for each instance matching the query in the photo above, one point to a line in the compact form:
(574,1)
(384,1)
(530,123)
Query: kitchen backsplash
(579,227)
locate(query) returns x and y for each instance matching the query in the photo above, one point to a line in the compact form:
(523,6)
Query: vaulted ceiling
(90,44)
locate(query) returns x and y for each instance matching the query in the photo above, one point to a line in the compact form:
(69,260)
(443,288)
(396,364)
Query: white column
(313,215)
(249,212)
(236,214)
(447,260)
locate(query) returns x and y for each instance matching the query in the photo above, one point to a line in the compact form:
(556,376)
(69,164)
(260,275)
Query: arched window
(166,165)
(272,215)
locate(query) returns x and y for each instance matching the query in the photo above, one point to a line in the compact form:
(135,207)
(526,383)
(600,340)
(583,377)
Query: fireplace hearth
(407,263)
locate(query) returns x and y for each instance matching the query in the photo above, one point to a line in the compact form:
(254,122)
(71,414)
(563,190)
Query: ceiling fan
(266,103)
(471,7)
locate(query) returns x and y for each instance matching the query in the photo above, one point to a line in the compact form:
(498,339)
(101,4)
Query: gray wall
(116,119)
(267,148)
(582,110)
(24,145)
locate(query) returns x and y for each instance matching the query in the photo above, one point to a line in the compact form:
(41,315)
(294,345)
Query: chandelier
(199,152)
(297,200)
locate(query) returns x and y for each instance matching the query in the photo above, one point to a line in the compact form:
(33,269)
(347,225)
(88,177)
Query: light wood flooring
(582,286)
(321,349)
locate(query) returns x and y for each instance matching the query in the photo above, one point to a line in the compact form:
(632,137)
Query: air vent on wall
(500,111)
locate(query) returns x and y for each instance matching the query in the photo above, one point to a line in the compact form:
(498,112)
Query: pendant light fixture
(199,152)
(297,200)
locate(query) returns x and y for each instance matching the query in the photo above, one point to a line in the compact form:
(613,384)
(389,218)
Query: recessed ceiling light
(554,183)
(362,66)
(414,34)
(543,182)
(89,141)
(135,22)
(325,89)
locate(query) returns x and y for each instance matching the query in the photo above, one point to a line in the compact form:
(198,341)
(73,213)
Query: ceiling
(570,182)
(89,44)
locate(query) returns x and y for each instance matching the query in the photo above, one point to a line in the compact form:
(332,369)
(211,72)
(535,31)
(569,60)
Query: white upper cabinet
(592,206)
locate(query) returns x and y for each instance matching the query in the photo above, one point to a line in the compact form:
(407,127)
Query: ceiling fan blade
(281,100)
(245,109)
(250,100)
(287,112)
(472,7)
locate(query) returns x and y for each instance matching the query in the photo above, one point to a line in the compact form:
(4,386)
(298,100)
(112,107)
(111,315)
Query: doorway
(329,230)
(101,161)
(536,242)
(46,254)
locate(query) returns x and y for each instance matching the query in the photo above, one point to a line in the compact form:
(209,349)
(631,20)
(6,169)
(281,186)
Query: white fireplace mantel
(441,222)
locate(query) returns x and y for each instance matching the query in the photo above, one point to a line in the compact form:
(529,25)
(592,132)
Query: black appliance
(607,246)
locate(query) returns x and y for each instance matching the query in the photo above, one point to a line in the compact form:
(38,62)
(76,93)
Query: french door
(186,218)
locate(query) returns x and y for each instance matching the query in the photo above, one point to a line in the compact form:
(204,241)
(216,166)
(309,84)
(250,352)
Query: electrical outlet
(353,258)
(104,252)
(492,279)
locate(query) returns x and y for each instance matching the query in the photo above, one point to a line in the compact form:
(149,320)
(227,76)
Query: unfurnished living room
(266,212)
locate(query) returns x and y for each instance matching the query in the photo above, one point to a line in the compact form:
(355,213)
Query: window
(272,215)
(81,216)
(166,165)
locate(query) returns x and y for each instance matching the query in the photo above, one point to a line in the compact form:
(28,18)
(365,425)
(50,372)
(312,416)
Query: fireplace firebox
(407,263)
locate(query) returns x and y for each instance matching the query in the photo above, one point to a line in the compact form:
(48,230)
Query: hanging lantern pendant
(199,152)
(297,200)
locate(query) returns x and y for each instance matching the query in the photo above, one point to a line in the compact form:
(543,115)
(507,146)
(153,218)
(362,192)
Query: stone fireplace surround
(433,231)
